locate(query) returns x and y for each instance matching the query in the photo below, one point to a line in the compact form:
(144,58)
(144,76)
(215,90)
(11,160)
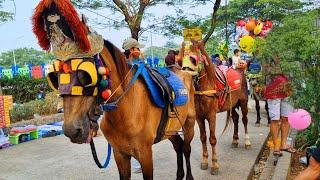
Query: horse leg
(258,111)
(123,163)
(203,138)
(244,110)
(267,109)
(188,136)
(213,142)
(146,161)
(177,143)
(235,119)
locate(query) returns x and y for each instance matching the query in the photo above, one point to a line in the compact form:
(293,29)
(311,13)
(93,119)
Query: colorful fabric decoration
(68,11)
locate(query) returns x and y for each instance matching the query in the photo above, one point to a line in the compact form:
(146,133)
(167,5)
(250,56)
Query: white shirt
(235,61)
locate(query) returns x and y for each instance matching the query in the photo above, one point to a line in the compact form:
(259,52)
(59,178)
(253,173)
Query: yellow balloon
(257,30)
(246,43)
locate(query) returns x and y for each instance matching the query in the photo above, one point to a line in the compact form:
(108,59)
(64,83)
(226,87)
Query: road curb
(284,164)
(251,173)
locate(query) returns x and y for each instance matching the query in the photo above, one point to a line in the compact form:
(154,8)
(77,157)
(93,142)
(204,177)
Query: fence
(36,72)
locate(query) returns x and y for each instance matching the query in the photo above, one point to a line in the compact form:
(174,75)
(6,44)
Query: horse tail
(228,120)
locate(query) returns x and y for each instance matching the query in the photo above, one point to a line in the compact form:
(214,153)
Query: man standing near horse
(132,52)
(277,94)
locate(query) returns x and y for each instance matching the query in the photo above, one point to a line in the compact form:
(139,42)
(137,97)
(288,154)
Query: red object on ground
(276,89)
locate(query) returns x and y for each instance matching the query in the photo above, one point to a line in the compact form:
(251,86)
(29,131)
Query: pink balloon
(299,119)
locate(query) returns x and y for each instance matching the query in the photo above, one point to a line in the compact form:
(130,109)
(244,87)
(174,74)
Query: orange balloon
(251,25)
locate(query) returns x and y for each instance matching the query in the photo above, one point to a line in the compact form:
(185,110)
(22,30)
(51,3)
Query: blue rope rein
(95,157)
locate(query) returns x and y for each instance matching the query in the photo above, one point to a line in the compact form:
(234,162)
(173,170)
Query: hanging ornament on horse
(106,94)
(103,71)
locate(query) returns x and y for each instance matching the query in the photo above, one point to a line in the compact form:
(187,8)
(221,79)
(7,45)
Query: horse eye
(84,78)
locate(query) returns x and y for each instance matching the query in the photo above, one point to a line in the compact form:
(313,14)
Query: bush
(27,111)
(22,88)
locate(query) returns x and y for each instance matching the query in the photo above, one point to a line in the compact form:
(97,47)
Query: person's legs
(286,109)
(274,113)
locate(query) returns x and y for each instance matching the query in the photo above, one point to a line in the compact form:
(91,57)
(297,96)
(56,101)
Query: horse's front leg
(213,142)
(123,163)
(188,136)
(203,138)
(177,143)
(244,110)
(146,161)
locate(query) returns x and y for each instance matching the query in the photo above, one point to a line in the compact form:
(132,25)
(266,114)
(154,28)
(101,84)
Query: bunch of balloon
(247,31)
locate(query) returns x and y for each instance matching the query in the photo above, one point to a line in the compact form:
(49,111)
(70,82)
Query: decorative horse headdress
(78,69)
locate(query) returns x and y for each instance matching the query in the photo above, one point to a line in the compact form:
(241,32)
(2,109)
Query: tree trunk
(135,33)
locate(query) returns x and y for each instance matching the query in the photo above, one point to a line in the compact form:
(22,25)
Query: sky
(18,33)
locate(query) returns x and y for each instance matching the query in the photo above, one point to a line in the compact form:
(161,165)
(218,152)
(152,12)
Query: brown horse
(207,107)
(131,128)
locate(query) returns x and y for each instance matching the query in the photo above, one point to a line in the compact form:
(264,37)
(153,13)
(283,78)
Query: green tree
(274,10)
(159,52)
(297,42)
(5,16)
(132,12)
(24,56)
(171,45)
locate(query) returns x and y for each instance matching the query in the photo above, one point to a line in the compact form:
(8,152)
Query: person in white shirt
(236,58)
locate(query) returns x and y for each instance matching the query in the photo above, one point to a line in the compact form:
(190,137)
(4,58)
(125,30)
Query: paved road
(57,158)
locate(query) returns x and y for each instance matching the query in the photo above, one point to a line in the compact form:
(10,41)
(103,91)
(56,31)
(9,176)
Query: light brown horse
(207,107)
(131,128)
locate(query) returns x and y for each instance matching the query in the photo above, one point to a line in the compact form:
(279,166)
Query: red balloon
(241,23)
(268,24)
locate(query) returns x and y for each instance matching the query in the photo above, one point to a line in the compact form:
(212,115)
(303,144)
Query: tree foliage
(133,12)
(297,42)
(274,10)
(23,89)
(25,56)
(5,16)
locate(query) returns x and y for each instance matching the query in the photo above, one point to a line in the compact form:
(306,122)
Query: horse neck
(207,81)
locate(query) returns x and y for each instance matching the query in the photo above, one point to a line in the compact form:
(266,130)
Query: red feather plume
(68,11)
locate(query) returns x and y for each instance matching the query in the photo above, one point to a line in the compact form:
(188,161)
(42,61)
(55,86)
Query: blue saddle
(157,91)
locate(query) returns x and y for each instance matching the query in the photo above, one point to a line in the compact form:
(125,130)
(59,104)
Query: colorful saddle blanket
(164,85)
(227,76)
(226,79)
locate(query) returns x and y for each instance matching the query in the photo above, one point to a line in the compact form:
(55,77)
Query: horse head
(75,72)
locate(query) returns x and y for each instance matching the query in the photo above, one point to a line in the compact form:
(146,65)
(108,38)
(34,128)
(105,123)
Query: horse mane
(68,11)
(119,59)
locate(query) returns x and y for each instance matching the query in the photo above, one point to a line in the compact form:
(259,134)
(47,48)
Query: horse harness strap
(162,82)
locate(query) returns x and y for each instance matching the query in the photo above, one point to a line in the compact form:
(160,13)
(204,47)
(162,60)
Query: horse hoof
(257,125)
(214,171)
(204,166)
(247,146)
(234,145)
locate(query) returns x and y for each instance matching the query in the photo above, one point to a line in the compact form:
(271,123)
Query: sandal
(289,150)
